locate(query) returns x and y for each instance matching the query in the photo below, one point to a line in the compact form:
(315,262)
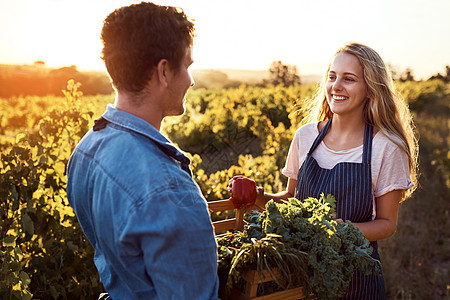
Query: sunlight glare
(239,34)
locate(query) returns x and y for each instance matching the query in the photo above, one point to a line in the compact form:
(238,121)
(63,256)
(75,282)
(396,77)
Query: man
(130,187)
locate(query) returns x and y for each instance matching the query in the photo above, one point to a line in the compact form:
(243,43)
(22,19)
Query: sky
(241,34)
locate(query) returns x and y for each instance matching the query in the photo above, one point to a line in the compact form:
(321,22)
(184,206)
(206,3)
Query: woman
(358,145)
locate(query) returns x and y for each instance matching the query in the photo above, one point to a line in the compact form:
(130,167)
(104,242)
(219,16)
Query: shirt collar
(136,124)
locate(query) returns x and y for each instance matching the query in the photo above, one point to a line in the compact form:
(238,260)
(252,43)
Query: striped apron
(351,185)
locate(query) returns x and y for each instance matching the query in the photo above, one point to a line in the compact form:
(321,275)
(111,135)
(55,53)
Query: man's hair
(136,37)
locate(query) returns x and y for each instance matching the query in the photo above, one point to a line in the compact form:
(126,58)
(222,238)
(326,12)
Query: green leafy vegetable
(303,241)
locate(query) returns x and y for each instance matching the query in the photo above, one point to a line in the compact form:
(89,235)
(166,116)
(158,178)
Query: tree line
(37,80)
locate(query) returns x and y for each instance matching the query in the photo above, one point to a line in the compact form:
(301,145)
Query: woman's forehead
(345,62)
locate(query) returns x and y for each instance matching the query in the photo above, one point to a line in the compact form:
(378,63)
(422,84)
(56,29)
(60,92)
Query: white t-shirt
(390,167)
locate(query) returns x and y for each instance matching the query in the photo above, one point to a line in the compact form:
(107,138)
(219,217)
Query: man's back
(136,201)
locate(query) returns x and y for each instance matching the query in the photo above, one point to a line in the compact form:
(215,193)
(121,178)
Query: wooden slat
(236,223)
(253,280)
(224,225)
(237,295)
(239,219)
(252,277)
(220,205)
(292,294)
(251,290)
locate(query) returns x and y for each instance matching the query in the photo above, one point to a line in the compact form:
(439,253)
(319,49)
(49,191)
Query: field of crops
(238,131)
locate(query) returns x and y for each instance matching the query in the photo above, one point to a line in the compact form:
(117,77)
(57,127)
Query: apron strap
(367,149)
(320,137)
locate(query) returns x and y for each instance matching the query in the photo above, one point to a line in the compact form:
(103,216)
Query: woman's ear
(163,71)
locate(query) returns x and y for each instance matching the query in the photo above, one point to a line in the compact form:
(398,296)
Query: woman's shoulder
(386,142)
(308,129)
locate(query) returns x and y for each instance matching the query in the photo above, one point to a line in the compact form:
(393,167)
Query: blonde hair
(385,108)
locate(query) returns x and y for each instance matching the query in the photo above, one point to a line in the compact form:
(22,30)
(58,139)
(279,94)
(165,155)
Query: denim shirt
(133,193)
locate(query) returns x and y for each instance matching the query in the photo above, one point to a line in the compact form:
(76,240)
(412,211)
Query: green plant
(44,252)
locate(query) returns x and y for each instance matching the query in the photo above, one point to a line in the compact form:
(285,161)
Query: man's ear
(163,71)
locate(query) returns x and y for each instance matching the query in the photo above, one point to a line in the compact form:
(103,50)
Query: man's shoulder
(118,144)
(131,159)
(126,156)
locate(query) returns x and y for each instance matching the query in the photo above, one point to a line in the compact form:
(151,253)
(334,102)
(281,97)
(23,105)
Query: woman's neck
(348,125)
(345,133)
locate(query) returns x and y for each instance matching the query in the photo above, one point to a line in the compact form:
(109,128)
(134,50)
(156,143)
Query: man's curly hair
(136,37)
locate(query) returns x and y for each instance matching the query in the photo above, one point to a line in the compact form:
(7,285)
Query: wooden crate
(252,282)
(251,277)
(236,223)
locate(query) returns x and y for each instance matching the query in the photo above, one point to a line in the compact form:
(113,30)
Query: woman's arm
(262,197)
(385,223)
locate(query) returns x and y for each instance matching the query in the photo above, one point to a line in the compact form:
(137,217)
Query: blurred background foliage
(244,129)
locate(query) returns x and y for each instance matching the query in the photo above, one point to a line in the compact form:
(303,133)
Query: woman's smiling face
(346,88)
